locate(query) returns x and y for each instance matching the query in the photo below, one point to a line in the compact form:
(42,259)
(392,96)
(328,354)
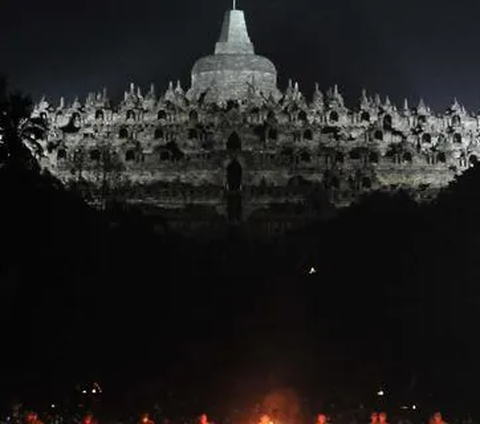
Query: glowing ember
(146,419)
(265,419)
(382,418)
(88,419)
(32,418)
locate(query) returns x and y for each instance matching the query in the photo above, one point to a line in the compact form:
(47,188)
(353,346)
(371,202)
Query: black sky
(408,48)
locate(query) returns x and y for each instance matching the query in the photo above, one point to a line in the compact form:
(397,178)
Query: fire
(146,419)
(88,419)
(32,418)
(265,419)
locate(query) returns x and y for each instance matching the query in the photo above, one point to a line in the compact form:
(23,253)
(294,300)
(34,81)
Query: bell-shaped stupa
(234,69)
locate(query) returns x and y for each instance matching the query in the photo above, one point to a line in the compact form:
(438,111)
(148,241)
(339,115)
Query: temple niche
(234,143)
(234,148)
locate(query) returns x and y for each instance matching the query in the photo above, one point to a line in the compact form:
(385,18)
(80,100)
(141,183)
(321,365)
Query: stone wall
(172,154)
(222,85)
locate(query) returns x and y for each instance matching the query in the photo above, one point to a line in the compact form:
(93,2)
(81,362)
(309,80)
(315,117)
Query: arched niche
(339,157)
(365,116)
(234,143)
(426,138)
(193,116)
(373,157)
(407,157)
(366,182)
(308,135)
(378,135)
(95,155)
(123,133)
(61,154)
(234,175)
(387,122)
(302,116)
(158,135)
(130,155)
(192,134)
(273,134)
(334,117)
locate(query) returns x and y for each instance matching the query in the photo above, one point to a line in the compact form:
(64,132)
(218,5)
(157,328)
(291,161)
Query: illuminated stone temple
(233,148)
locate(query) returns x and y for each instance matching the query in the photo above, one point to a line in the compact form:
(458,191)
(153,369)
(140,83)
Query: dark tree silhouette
(21,136)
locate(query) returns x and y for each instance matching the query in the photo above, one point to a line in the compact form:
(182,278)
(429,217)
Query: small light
(84,392)
(312,271)
(414,407)
(52,405)
(381,393)
(94,391)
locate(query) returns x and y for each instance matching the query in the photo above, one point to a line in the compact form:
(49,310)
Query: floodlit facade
(234,148)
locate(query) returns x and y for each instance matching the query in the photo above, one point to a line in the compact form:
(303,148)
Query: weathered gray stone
(234,37)
(171,154)
(234,69)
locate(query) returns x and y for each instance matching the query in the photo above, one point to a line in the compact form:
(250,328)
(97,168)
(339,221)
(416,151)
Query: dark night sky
(408,48)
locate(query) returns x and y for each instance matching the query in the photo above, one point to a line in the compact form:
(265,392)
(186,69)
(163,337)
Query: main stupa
(234,70)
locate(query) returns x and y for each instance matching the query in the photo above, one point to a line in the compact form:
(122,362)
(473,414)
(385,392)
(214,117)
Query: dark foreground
(218,324)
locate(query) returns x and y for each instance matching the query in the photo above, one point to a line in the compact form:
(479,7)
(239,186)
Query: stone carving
(174,151)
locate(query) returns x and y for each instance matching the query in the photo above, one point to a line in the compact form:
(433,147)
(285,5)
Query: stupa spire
(234,38)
